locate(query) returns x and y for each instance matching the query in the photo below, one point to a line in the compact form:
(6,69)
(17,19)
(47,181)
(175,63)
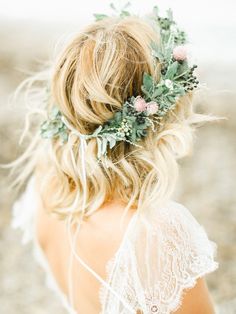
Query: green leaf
(156,51)
(181,91)
(63,136)
(49,133)
(44,126)
(171,98)
(157,92)
(171,70)
(133,135)
(112,141)
(118,116)
(148,82)
(124,13)
(141,133)
(182,69)
(100,17)
(157,55)
(97,131)
(125,111)
(154,46)
(145,91)
(54,113)
(131,118)
(141,126)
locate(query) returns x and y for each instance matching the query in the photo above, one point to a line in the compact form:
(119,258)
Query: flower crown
(137,114)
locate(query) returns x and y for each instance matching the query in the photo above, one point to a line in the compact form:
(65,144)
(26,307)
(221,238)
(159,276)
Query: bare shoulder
(197,300)
(105,229)
(47,224)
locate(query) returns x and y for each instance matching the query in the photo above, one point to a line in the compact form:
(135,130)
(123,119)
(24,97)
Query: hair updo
(92,77)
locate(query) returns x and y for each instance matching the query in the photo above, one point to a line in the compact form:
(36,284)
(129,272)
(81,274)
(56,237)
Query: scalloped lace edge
(188,286)
(110,265)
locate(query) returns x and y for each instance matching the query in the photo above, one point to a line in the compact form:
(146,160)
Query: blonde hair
(92,77)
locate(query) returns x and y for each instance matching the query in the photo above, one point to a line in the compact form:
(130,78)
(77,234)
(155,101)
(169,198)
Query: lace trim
(153,300)
(110,265)
(183,290)
(186,254)
(183,239)
(112,262)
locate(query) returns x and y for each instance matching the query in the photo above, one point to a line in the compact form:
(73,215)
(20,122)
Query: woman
(103,169)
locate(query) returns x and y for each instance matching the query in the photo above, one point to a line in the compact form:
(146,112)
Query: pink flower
(152,107)
(180,53)
(140,104)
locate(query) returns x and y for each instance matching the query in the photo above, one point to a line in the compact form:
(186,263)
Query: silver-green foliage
(128,124)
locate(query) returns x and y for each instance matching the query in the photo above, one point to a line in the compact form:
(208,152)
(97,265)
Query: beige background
(207,178)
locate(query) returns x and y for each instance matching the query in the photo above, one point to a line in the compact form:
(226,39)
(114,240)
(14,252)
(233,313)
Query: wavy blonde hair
(94,74)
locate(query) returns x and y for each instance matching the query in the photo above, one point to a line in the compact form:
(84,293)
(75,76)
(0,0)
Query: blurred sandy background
(207,178)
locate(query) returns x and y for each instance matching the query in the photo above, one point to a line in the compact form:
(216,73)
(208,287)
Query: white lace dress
(162,253)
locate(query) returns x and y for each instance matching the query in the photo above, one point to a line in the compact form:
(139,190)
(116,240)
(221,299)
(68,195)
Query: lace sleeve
(164,253)
(180,254)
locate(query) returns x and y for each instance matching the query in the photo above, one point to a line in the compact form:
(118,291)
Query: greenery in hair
(138,113)
(123,12)
(54,126)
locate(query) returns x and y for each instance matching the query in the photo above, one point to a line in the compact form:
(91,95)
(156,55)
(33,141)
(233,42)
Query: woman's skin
(97,243)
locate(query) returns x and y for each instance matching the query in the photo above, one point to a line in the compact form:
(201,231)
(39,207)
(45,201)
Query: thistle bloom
(180,53)
(152,107)
(140,104)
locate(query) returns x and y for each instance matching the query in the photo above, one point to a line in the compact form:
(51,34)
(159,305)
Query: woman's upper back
(97,242)
(148,264)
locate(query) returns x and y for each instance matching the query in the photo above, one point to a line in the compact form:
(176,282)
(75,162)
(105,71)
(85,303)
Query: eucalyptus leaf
(171,98)
(118,116)
(112,141)
(156,51)
(131,119)
(97,131)
(128,123)
(157,92)
(44,126)
(154,46)
(171,71)
(133,135)
(64,137)
(142,126)
(158,55)
(100,17)
(141,133)
(50,133)
(148,82)
(54,113)
(124,13)
(145,91)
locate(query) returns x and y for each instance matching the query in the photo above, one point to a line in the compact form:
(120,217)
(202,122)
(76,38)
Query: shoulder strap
(72,241)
